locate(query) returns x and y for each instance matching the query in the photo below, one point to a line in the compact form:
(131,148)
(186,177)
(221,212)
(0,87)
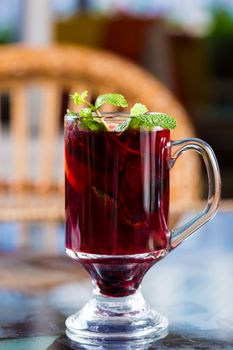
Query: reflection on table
(40,287)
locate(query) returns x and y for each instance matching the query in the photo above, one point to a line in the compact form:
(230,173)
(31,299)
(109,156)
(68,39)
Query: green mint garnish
(88,120)
(112,99)
(151,121)
(79,98)
(123,126)
(139,118)
(138,109)
(85,112)
(92,124)
(70,113)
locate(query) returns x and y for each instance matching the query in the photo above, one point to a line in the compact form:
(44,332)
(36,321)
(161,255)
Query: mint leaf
(84,94)
(85,112)
(123,126)
(112,99)
(91,124)
(148,121)
(138,109)
(151,121)
(79,98)
(70,113)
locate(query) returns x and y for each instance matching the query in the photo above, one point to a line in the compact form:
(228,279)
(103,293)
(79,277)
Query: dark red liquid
(117,199)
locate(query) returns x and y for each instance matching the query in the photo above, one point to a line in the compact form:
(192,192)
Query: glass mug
(117,207)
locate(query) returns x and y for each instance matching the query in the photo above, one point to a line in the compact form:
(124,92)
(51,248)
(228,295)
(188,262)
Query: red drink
(117,201)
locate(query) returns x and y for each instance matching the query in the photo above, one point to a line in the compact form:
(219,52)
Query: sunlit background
(188,45)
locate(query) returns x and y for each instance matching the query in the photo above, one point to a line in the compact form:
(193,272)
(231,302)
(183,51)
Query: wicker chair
(58,70)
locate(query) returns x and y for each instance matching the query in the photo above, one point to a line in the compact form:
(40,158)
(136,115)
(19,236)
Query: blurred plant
(220,45)
(5,35)
(222,24)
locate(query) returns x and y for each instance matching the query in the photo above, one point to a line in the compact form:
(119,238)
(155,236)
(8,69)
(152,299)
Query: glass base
(111,319)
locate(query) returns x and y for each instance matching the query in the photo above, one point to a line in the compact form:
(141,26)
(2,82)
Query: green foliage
(222,26)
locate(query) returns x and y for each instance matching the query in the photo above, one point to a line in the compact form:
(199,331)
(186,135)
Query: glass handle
(214,187)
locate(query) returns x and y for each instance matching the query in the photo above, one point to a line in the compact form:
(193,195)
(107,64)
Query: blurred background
(186,45)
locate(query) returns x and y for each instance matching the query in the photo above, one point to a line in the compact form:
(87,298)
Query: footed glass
(117,206)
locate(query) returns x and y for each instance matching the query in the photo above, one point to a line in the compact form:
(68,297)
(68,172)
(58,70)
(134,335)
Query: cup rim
(108,115)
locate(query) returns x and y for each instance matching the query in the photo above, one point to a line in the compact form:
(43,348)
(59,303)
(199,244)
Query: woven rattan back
(35,145)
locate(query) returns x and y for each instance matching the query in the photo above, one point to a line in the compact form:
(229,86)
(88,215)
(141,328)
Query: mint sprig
(80,98)
(152,120)
(85,112)
(88,120)
(70,113)
(112,99)
(138,109)
(139,118)
(93,124)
